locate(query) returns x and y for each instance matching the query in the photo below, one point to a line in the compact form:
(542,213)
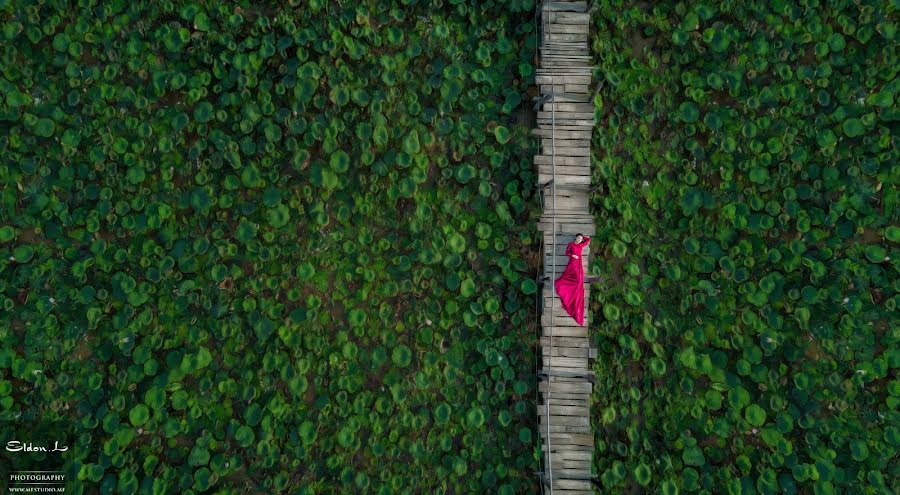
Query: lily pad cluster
(749,338)
(269,247)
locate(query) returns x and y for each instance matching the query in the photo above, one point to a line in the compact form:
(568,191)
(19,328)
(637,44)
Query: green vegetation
(246,249)
(749,155)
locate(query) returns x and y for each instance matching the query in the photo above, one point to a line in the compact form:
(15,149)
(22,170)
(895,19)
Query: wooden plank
(576,342)
(560,248)
(588,122)
(567,202)
(568,37)
(569,180)
(566,115)
(562,440)
(572,455)
(555,428)
(574,71)
(560,142)
(564,331)
(568,17)
(566,151)
(565,362)
(585,228)
(564,484)
(562,79)
(584,161)
(566,399)
(561,134)
(569,107)
(562,27)
(572,465)
(558,420)
(561,410)
(564,6)
(570,352)
(560,97)
(562,401)
(557,443)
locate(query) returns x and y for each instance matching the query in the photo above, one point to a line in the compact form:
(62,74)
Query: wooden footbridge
(565,120)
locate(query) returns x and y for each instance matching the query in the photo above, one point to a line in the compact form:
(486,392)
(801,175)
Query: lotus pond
(247,249)
(748,152)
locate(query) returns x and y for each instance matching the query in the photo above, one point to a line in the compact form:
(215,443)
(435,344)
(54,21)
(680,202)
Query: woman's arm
(586,240)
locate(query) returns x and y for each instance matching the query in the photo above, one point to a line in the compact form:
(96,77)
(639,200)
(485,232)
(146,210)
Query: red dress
(570,285)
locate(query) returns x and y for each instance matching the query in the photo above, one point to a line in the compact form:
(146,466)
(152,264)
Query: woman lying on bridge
(570,285)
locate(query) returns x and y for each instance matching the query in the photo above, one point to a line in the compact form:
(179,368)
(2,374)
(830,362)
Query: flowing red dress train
(570,285)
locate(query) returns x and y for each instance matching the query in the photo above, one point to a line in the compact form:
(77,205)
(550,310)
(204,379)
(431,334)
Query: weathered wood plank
(556,428)
(572,455)
(561,134)
(569,352)
(565,420)
(561,410)
(585,228)
(569,180)
(573,161)
(566,151)
(565,362)
(582,29)
(563,116)
(565,143)
(563,440)
(578,201)
(570,342)
(564,6)
(560,330)
(562,79)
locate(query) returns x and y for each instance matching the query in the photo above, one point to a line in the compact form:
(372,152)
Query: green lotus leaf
(467,288)
(401,356)
(688,111)
(529,286)
(356,317)
(853,128)
(199,456)
(642,474)
(475,418)
(203,112)
(611,312)
(155,398)
(716,39)
(245,437)
(755,415)
(669,487)
(23,254)
(411,143)
(690,22)
(693,456)
(246,231)
(340,161)
(139,415)
(456,242)
(826,138)
(502,134)
(7,233)
(859,450)
(44,127)
(465,173)
(891,233)
(442,413)
(875,253)
(278,217)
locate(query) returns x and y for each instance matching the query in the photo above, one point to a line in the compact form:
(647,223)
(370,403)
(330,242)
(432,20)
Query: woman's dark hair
(579,234)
